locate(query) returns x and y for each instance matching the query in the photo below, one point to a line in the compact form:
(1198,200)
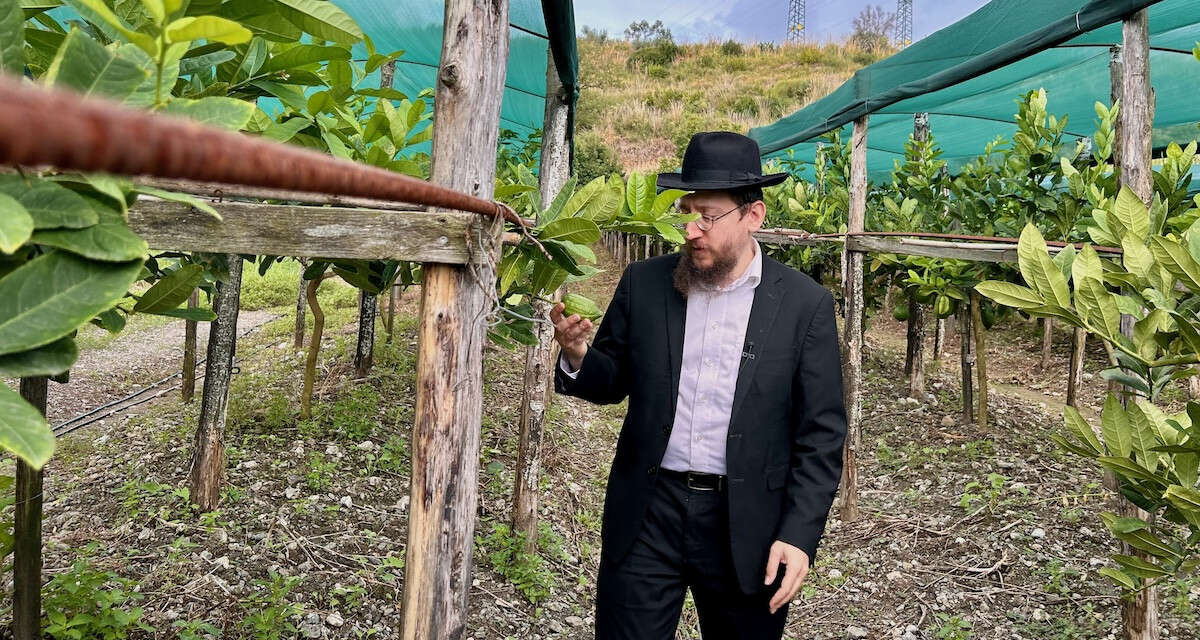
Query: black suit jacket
(784,446)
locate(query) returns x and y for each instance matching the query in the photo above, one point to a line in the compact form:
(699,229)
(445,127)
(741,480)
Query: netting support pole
(1139,614)
(1075,372)
(364,352)
(301,308)
(27,533)
(451,330)
(853,331)
(915,361)
(536,391)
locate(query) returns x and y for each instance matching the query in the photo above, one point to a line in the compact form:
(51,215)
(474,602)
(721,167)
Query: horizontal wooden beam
(313,232)
(972,251)
(787,237)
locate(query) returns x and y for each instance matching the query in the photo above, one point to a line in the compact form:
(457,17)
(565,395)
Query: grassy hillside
(643,106)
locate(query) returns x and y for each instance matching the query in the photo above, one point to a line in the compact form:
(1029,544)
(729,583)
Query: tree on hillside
(643,33)
(873,28)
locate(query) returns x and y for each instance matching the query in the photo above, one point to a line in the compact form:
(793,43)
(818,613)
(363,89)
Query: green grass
(278,287)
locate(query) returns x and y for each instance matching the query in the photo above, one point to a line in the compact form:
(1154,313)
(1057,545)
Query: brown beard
(688,275)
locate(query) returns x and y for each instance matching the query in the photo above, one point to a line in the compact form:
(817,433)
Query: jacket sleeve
(818,433)
(603,377)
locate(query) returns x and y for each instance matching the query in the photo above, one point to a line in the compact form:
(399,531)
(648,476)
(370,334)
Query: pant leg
(641,596)
(725,612)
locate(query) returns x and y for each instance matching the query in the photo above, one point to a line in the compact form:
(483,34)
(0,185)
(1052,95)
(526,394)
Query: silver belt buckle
(693,487)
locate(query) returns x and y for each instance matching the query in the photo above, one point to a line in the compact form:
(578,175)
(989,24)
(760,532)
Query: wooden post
(536,392)
(208,448)
(1139,614)
(1075,375)
(364,354)
(187,388)
(966,362)
(301,305)
(852,333)
(980,333)
(391,317)
(914,366)
(1047,342)
(939,340)
(27,533)
(451,331)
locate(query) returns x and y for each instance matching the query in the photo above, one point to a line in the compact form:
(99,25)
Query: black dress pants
(683,543)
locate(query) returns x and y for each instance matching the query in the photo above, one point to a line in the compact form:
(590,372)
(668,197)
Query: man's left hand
(797,570)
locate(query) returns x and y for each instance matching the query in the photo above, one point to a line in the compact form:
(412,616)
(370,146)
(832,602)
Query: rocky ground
(964,533)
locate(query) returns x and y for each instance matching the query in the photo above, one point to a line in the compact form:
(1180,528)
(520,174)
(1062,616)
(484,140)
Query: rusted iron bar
(41,126)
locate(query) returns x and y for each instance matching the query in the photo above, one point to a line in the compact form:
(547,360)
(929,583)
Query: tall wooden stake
(980,334)
(187,388)
(208,449)
(536,393)
(1139,614)
(391,317)
(301,305)
(853,330)
(966,362)
(451,330)
(939,340)
(914,366)
(364,354)
(1047,342)
(27,533)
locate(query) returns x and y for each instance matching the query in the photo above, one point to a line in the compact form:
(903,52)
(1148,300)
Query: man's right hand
(571,333)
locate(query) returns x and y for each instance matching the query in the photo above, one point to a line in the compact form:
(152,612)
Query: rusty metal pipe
(40,126)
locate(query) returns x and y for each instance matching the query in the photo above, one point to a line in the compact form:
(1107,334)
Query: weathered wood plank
(451,331)
(27,533)
(852,333)
(315,232)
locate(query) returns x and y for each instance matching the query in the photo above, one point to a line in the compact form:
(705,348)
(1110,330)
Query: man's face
(729,234)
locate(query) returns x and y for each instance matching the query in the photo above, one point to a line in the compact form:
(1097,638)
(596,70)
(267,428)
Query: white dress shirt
(714,332)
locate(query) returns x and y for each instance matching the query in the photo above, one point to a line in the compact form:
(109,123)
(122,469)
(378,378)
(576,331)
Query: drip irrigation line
(68,426)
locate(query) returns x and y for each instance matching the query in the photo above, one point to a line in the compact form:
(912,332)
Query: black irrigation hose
(74,423)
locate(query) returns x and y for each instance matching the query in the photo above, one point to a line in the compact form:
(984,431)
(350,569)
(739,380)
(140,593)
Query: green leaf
(16,225)
(196,314)
(23,429)
(171,291)
(98,13)
(1086,265)
(1187,500)
(1132,213)
(664,200)
(638,190)
(47,360)
(1143,438)
(1098,308)
(320,19)
(155,9)
(227,113)
(1136,257)
(1082,429)
(87,67)
(50,205)
(1120,578)
(1147,541)
(578,230)
(1176,259)
(1127,468)
(182,198)
(1010,295)
(210,28)
(1140,568)
(303,55)
(110,240)
(53,294)
(511,267)
(584,198)
(1039,270)
(12,37)
(669,233)
(555,210)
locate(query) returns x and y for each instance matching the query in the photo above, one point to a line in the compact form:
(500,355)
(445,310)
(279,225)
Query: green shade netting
(535,26)
(969,75)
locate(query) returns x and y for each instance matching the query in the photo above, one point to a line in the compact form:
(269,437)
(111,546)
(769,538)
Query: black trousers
(683,544)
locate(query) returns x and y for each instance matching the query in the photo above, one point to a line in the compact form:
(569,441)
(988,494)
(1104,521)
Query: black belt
(698,481)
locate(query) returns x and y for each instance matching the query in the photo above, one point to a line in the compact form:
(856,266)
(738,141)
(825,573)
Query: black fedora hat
(719,161)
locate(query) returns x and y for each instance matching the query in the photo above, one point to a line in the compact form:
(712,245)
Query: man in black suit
(731,450)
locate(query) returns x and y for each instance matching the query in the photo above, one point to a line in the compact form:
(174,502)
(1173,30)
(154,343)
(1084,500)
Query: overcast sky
(758,20)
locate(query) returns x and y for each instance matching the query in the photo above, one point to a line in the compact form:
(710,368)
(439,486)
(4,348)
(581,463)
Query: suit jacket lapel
(763,310)
(676,318)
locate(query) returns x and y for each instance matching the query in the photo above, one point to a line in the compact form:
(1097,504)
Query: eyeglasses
(705,223)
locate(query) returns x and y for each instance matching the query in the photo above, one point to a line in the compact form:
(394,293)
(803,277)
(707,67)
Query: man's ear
(757,215)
